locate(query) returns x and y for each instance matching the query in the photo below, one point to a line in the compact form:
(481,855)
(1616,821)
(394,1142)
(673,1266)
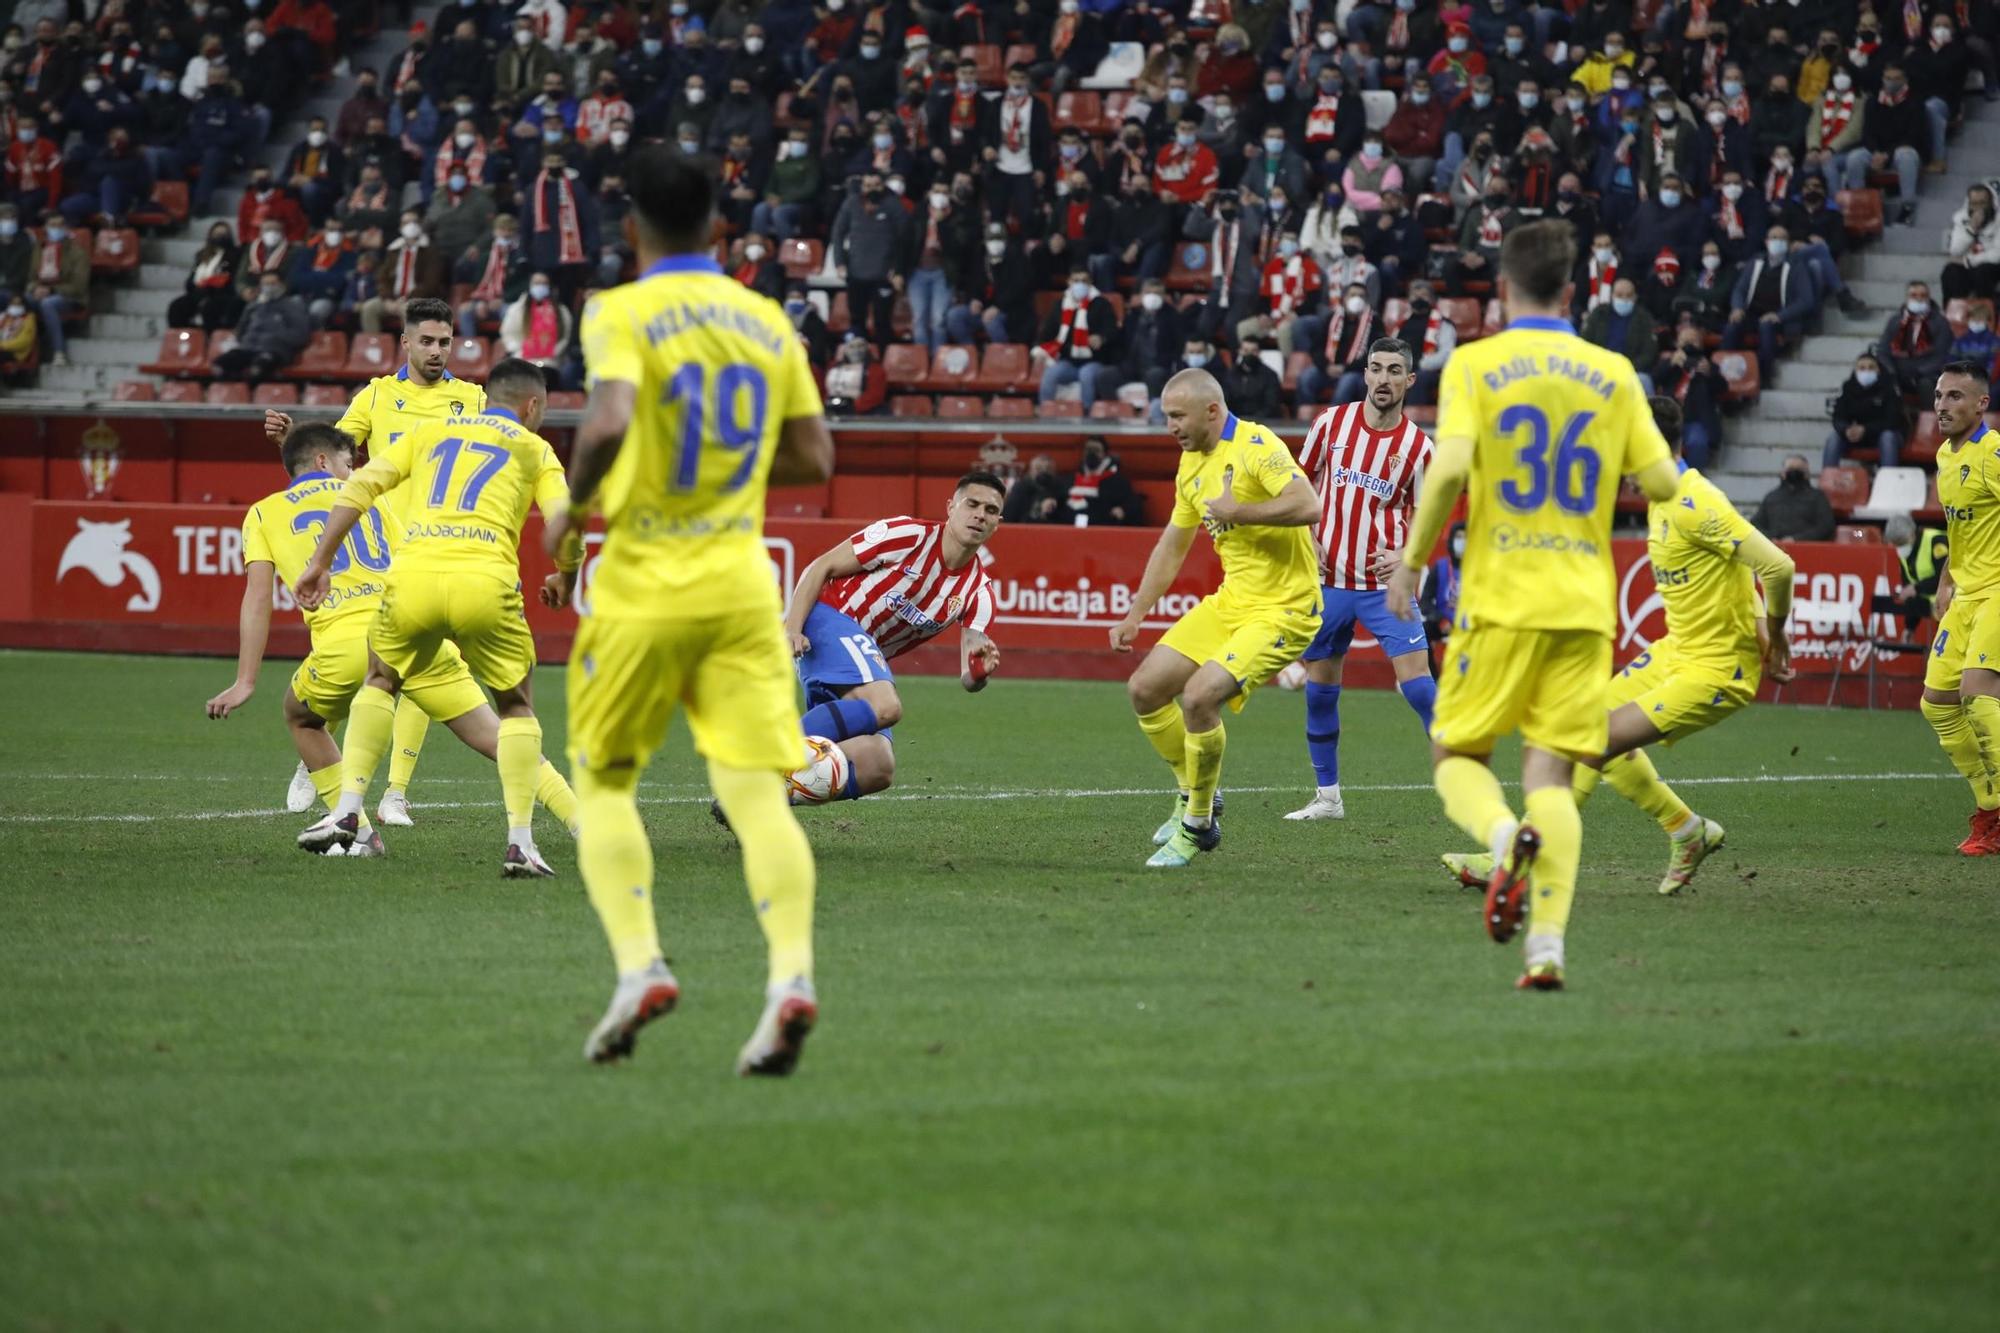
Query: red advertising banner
(146,575)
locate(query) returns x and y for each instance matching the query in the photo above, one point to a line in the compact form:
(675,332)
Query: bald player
(1238,480)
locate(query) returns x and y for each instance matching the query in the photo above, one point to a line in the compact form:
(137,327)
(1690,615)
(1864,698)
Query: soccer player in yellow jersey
(1537,426)
(280,533)
(1962,683)
(421,391)
(1238,480)
(700,399)
(1721,640)
(456,581)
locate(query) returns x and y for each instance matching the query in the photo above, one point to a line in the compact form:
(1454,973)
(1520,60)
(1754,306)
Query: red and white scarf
(1731,216)
(1431,324)
(406,70)
(1364,325)
(1602,278)
(1015,115)
(1322,122)
(473,163)
(50,269)
(1222,262)
(1491,233)
(1089,481)
(269,259)
(1913,20)
(492,283)
(404,281)
(1286,283)
(1072,329)
(1913,336)
(325,256)
(1836,109)
(1398,36)
(570,231)
(1777,185)
(964,115)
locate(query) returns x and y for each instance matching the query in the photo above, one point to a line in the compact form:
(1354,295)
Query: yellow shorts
(335,670)
(1682,697)
(1252,644)
(422,615)
(1549,685)
(1968,636)
(733,674)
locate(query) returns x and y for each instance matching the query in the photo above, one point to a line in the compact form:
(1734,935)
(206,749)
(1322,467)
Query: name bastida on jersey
(1366,480)
(904,595)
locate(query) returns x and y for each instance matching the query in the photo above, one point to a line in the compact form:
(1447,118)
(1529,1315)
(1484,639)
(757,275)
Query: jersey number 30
(1571,476)
(742,398)
(359,548)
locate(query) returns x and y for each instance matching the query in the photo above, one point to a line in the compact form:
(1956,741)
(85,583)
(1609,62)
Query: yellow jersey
(390,406)
(283,528)
(718,371)
(471,480)
(1261,566)
(1968,486)
(1553,423)
(1711,597)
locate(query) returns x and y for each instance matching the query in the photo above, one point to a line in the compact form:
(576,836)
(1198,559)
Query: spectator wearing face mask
(1151,340)
(871,70)
(1868,415)
(1794,510)
(1606,60)
(494,275)
(1037,495)
(1433,337)
(943,241)
(1438,602)
(1772,300)
(1514,56)
(1185,171)
(856,384)
(1458,65)
(17,251)
(1142,236)
(1233,233)
(1937,63)
(1624,326)
(790,190)
(1477,114)
(869,247)
(1921,553)
(1721,145)
(460,216)
(1291,289)
(1340,350)
(313,171)
(268,204)
(59,272)
(1000,293)
(1393,243)
(1098,491)
(411,268)
(319,271)
(109,182)
(1415,134)
(1916,342)
(18,338)
(1737,218)
(33,170)
(273,331)
(1617,170)
(1835,126)
(1895,135)
(561,222)
(1685,373)
(1575,132)
(1972,248)
(539,328)
(1667,221)
(1662,289)
(806,322)
(209,299)
(364,104)
(269,250)
(525,61)
(1272,167)
(1015,142)
(1979,343)
(1369,175)
(1480,234)
(1078,342)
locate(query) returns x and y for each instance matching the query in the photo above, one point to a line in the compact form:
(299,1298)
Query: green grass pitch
(1289,1088)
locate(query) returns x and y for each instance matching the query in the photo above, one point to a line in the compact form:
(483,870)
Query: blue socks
(852,790)
(840,718)
(1323,731)
(1423,696)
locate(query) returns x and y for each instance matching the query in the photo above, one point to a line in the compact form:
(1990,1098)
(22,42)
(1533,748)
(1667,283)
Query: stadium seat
(219,342)
(369,355)
(1955,314)
(838,320)
(1897,490)
(953,368)
(1001,368)
(1115,409)
(1189,270)
(226,393)
(1925,441)
(912,405)
(179,391)
(566,400)
(1295,365)
(1466,314)
(1861,213)
(172,197)
(1394,311)
(1060,409)
(902,319)
(325,395)
(986,57)
(800,258)
(958,406)
(1011,408)
(781,113)
(1377,107)
(276,395)
(470,359)
(115,251)
(1858,534)
(1084,111)
(182,352)
(1019,53)
(906,365)
(133,391)
(1845,488)
(1740,378)
(325,354)
(1495,321)
(1115,104)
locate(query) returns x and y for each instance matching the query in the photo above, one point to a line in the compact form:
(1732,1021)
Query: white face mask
(1732,192)
(1326,41)
(1866,378)
(523,37)
(870,52)
(753,44)
(1621,306)
(696,96)
(1456,45)
(17,310)
(8,228)
(1606,256)
(1079,290)
(1670,198)
(940,201)
(1777,248)
(1288,248)
(897,187)
(539,290)
(317,138)
(253,41)
(93,86)
(273,235)
(996,248)
(753,253)
(1711,262)
(332,238)
(465,140)
(412,230)
(1665,115)
(690,147)
(619,138)
(1843,81)
(1151,300)
(1940,35)
(884,142)
(1718,118)
(1355,304)
(1917,307)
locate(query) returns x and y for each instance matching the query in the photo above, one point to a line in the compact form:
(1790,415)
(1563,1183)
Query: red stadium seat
(276,395)
(801,258)
(1394,311)
(1858,534)
(1466,315)
(1495,321)
(1861,213)
(1845,488)
(1001,368)
(1012,408)
(957,406)
(226,393)
(1060,410)
(182,352)
(986,56)
(325,355)
(172,197)
(219,342)
(1115,104)
(566,400)
(953,368)
(838,318)
(1084,111)
(133,391)
(325,395)
(470,359)
(369,355)
(911,405)
(1020,53)
(1741,380)
(902,318)
(1925,441)
(1295,365)
(179,391)
(115,251)
(1115,409)
(1189,270)
(906,365)
(1955,314)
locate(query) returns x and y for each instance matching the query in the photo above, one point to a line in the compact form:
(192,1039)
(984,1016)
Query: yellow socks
(1553,813)
(1473,799)
(1958,731)
(371,719)
(552,791)
(326,781)
(1983,712)
(1583,780)
(412,724)
(617,864)
(1204,771)
(1167,730)
(1634,777)
(777,863)
(519,756)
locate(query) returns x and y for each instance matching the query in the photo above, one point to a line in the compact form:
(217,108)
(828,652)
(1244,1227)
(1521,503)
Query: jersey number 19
(735,429)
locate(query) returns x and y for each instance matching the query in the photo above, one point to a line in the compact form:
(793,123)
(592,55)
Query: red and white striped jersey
(1366,480)
(904,594)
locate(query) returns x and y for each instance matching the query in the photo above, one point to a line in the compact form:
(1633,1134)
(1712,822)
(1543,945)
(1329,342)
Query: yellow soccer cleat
(1470,869)
(1690,853)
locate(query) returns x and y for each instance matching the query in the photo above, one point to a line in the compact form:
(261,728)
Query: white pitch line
(968,794)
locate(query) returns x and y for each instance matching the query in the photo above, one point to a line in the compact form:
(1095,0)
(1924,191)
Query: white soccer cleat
(299,797)
(524,863)
(641,997)
(330,832)
(790,1010)
(1325,804)
(367,844)
(394,810)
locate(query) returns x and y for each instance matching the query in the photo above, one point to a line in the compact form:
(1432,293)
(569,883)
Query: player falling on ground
(1238,480)
(1367,462)
(890,588)
(1721,640)
(1536,425)
(455,587)
(280,533)
(421,390)
(1962,682)
(701,399)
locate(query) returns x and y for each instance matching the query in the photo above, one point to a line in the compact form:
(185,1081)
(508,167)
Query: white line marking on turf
(975,794)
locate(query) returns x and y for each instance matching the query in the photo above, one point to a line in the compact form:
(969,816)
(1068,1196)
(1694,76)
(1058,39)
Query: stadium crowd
(967,175)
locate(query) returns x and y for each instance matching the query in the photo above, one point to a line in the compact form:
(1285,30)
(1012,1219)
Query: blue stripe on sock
(1323,731)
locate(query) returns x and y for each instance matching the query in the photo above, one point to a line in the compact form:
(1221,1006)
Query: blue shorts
(1345,606)
(842,656)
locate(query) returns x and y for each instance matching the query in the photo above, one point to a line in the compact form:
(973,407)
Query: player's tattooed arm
(253,632)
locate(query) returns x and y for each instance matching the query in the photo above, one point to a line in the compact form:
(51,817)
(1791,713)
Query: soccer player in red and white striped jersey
(1366,460)
(890,587)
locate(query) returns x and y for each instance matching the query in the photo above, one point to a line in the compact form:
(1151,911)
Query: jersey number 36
(1571,476)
